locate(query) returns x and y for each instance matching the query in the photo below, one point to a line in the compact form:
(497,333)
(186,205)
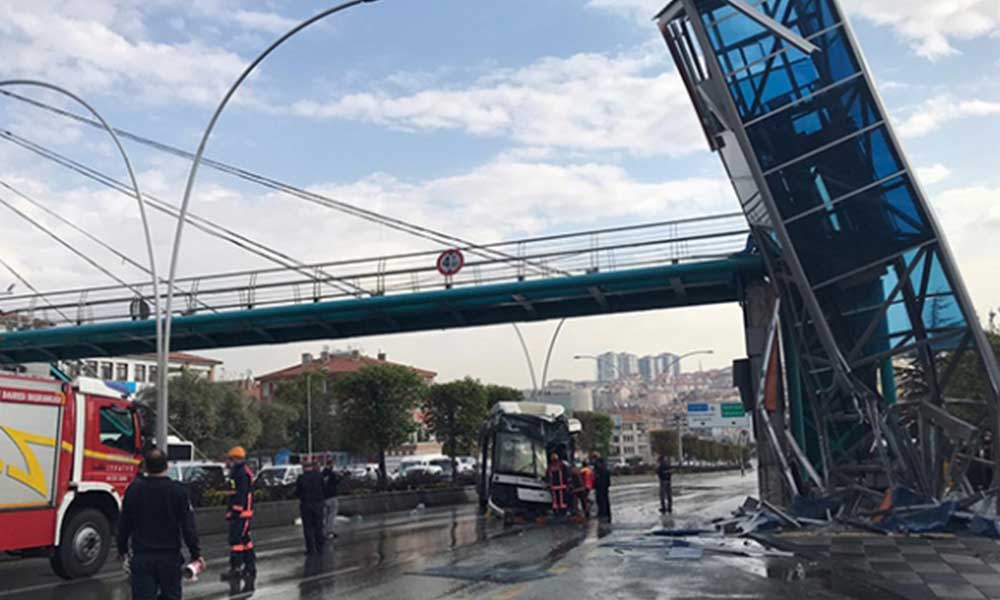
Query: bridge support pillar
(758,303)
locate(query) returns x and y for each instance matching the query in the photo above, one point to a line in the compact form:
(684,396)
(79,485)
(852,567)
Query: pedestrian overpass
(660,265)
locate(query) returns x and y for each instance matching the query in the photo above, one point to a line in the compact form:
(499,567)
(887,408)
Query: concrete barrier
(212,520)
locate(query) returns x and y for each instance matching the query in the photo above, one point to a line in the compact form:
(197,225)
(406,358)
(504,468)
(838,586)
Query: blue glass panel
(878,223)
(804,17)
(937,282)
(837,171)
(791,75)
(814,123)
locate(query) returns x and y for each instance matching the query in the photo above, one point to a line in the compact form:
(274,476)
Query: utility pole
(680,439)
(309,413)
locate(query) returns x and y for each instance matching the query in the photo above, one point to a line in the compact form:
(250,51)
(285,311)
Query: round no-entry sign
(450,262)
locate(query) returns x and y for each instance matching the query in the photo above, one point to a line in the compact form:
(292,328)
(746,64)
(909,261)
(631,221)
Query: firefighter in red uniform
(242,559)
(559,485)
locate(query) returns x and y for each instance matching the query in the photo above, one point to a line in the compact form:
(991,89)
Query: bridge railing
(559,255)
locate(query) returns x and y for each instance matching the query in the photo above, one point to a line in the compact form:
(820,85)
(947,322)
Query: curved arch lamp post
(138,196)
(162,384)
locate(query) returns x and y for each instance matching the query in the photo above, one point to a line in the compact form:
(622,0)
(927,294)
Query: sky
(487,120)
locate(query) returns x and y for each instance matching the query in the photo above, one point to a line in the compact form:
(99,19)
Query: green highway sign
(732,410)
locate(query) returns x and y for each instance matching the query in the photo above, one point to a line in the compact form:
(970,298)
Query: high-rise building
(649,368)
(607,367)
(668,364)
(628,364)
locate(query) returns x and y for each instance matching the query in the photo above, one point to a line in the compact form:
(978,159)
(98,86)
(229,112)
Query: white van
(427,464)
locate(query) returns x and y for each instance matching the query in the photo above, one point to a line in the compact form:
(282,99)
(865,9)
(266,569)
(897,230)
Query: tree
(663,443)
(238,423)
(502,393)
(314,387)
(276,421)
(454,412)
(213,416)
(596,433)
(375,405)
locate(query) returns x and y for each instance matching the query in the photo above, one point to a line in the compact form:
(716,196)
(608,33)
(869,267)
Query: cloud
(970,216)
(264,21)
(932,174)
(592,102)
(928,26)
(87,54)
(936,112)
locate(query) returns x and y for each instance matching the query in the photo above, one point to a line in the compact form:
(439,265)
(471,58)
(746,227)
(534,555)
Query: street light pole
(161,393)
(164,346)
(309,414)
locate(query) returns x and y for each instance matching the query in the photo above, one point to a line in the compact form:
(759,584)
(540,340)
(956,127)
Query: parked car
(366,471)
(466,464)
(433,465)
(278,475)
(198,477)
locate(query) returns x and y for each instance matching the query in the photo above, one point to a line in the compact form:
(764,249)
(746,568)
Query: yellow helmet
(237,452)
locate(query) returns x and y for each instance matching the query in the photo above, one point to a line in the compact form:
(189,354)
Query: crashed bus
(515,443)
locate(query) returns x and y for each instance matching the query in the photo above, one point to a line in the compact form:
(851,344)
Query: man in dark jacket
(239,512)
(309,489)
(664,473)
(156,514)
(602,487)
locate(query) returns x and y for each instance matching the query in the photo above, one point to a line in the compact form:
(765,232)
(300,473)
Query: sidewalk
(907,567)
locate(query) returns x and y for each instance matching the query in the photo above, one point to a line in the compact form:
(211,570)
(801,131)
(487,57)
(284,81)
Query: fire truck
(68,451)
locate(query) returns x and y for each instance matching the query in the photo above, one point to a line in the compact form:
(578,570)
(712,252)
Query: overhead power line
(124,257)
(201,223)
(420,231)
(28,285)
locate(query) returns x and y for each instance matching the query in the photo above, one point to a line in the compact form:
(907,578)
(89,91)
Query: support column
(758,309)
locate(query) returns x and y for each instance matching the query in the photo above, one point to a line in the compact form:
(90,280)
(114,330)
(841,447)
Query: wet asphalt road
(454,553)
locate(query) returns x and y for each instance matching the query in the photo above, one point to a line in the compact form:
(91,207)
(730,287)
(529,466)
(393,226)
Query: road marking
(511,592)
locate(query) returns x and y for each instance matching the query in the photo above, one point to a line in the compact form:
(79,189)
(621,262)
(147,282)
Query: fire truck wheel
(86,541)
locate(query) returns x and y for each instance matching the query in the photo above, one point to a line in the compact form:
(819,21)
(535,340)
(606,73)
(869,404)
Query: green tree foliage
(213,416)
(596,433)
(663,443)
(502,393)
(375,405)
(454,412)
(238,421)
(276,421)
(313,388)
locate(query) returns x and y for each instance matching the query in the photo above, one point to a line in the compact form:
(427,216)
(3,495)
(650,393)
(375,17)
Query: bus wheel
(86,541)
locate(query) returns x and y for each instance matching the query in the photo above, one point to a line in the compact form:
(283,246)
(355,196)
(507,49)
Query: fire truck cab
(68,451)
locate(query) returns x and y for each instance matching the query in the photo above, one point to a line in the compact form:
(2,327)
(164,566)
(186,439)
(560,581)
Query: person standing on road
(665,474)
(558,485)
(602,486)
(239,512)
(309,490)
(330,483)
(587,474)
(156,514)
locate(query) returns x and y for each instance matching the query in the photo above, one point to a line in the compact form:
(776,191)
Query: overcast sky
(489,120)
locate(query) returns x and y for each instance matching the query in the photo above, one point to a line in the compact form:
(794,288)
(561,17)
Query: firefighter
(239,512)
(558,485)
(156,514)
(310,492)
(587,474)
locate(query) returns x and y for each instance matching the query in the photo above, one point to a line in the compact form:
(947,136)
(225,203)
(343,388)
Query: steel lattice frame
(864,275)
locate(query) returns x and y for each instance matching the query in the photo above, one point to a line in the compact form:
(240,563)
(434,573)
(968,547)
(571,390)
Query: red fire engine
(67,453)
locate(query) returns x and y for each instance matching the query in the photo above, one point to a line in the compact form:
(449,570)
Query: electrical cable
(369,215)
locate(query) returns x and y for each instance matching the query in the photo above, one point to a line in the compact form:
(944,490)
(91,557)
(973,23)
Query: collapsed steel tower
(866,284)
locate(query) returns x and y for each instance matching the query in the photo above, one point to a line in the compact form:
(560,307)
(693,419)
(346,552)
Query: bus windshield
(518,454)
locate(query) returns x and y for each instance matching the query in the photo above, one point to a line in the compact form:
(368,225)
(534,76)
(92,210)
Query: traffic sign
(450,262)
(713,416)
(732,410)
